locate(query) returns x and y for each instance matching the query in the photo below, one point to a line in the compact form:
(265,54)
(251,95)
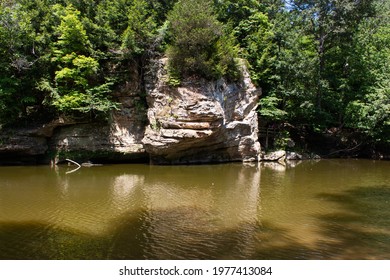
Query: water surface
(330,209)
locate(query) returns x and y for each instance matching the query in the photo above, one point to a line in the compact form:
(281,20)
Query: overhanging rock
(201,121)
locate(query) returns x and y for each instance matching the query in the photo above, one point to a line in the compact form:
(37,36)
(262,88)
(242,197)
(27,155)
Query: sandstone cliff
(200,121)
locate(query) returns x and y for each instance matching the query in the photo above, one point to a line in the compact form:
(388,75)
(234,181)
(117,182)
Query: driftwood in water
(72,161)
(84,164)
(74,170)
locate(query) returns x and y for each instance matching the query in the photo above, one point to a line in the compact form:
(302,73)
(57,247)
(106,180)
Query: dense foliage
(199,44)
(320,63)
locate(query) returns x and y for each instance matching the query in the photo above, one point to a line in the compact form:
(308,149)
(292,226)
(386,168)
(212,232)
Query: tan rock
(201,121)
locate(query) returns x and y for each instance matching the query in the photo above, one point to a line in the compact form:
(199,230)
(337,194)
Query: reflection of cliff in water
(211,217)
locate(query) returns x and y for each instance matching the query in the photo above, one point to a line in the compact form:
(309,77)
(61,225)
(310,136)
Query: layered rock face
(114,142)
(21,147)
(118,140)
(200,121)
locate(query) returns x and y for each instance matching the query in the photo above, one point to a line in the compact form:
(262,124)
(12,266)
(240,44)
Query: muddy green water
(330,209)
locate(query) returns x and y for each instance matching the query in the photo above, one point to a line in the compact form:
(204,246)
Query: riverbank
(95,142)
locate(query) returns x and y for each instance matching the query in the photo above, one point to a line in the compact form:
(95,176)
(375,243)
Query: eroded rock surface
(118,140)
(20,147)
(115,140)
(275,156)
(200,121)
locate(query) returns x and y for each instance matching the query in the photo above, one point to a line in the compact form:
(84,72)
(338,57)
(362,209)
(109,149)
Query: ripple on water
(316,210)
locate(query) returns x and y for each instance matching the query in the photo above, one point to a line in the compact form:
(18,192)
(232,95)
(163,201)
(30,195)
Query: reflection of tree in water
(362,230)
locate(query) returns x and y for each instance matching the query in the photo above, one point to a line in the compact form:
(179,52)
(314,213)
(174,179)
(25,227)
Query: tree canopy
(200,44)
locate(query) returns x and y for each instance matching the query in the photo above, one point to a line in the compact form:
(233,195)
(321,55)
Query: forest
(322,65)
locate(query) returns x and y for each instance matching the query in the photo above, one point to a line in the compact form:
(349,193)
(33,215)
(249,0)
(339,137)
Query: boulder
(200,121)
(274,156)
(294,156)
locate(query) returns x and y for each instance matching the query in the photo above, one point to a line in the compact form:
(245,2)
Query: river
(328,209)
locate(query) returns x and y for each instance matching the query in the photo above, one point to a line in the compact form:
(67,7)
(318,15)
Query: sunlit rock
(293,156)
(274,156)
(201,121)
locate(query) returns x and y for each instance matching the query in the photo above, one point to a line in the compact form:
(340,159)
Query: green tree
(76,87)
(199,44)
(16,61)
(289,83)
(306,77)
(234,12)
(140,32)
(110,21)
(332,23)
(369,108)
(255,36)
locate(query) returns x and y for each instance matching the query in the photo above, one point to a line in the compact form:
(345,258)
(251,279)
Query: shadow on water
(166,234)
(171,234)
(276,243)
(167,225)
(37,241)
(361,229)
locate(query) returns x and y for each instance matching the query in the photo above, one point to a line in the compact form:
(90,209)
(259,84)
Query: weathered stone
(19,147)
(47,130)
(118,140)
(28,145)
(293,156)
(315,156)
(185,125)
(274,156)
(23,145)
(200,121)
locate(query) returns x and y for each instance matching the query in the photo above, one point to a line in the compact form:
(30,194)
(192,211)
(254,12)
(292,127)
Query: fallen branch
(72,161)
(346,150)
(74,170)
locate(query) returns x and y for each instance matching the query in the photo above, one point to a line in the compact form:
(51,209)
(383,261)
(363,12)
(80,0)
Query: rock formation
(200,121)
(21,147)
(118,140)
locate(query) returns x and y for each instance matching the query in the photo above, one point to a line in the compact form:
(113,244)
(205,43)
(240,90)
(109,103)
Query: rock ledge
(201,121)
